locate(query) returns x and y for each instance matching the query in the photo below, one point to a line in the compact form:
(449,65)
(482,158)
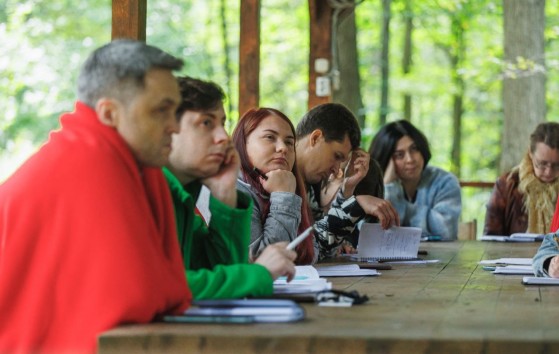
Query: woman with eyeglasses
(523,199)
(424,196)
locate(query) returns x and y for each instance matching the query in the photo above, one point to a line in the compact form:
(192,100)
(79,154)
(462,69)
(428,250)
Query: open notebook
(307,280)
(395,243)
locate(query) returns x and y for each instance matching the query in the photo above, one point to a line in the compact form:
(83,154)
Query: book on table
(309,286)
(507,261)
(345,270)
(540,281)
(516,237)
(514,270)
(395,243)
(240,311)
(306,280)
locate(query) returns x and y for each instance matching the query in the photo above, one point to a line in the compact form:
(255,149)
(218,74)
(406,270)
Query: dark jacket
(505,210)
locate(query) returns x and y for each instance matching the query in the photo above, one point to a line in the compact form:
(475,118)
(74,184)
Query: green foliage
(284,55)
(43,44)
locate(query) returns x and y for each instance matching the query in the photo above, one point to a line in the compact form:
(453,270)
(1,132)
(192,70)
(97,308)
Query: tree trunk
(458,56)
(407,55)
(348,92)
(524,85)
(227,59)
(384,64)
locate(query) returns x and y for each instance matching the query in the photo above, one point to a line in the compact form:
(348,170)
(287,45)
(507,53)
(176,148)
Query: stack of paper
(306,280)
(345,270)
(540,281)
(507,261)
(514,269)
(240,311)
(517,237)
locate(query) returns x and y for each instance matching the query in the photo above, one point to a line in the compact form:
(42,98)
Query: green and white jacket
(215,256)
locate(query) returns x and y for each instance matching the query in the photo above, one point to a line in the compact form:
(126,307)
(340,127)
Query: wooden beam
(249,56)
(476,184)
(129,19)
(320,45)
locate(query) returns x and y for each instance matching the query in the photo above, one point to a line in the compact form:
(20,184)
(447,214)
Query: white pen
(299,238)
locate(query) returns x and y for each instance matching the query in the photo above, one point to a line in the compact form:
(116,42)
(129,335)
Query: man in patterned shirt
(327,136)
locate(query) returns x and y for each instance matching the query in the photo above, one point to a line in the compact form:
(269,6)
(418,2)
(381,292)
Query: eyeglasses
(544,165)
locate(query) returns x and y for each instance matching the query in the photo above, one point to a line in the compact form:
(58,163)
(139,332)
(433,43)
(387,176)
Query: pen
(299,238)
(260,173)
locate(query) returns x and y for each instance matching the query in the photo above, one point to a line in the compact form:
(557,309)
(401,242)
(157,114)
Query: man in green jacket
(215,256)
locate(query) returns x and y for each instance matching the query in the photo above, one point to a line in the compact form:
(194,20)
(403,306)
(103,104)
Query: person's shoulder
(172,180)
(175,186)
(435,178)
(437,173)
(247,189)
(243,186)
(508,178)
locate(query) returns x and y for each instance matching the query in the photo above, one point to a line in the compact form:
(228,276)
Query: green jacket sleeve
(219,266)
(230,281)
(226,239)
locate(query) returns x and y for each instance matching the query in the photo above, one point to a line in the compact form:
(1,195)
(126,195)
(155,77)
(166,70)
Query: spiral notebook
(395,243)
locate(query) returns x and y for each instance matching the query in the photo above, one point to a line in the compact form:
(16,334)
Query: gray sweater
(282,222)
(437,206)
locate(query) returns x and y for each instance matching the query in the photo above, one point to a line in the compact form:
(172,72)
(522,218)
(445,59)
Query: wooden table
(453,306)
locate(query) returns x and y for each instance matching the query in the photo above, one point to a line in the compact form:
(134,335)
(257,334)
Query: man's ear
(107,111)
(315,136)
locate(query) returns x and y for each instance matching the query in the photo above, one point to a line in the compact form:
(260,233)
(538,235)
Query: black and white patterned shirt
(335,226)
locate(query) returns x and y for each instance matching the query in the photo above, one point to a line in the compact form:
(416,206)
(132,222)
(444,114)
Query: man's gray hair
(117,70)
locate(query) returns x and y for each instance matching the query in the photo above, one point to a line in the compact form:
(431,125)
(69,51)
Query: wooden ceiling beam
(249,56)
(320,47)
(129,19)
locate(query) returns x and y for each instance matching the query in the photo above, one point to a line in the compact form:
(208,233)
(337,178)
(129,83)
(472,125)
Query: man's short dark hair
(384,143)
(334,120)
(198,95)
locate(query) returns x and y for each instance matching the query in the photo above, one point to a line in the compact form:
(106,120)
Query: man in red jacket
(87,233)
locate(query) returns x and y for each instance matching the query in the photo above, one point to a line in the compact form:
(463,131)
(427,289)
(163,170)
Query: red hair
(246,125)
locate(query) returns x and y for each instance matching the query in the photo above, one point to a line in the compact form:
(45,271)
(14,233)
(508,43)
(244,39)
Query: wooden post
(249,56)
(129,19)
(320,45)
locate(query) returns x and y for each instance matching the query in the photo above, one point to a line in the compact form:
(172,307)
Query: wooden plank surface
(129,19)
(320,31)
(451,306)
(249,56)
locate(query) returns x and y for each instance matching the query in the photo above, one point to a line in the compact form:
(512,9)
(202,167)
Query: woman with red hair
(265,139)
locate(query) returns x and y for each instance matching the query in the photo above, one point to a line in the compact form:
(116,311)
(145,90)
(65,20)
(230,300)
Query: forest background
(43,44)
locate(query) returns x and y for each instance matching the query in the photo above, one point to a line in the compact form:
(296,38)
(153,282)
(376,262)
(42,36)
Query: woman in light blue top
(546,260)
(424,196)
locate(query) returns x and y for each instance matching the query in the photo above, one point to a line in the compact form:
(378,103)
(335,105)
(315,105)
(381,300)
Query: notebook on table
(516,237)
(240,311)
(306,280)
(540,281)
(395,243)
